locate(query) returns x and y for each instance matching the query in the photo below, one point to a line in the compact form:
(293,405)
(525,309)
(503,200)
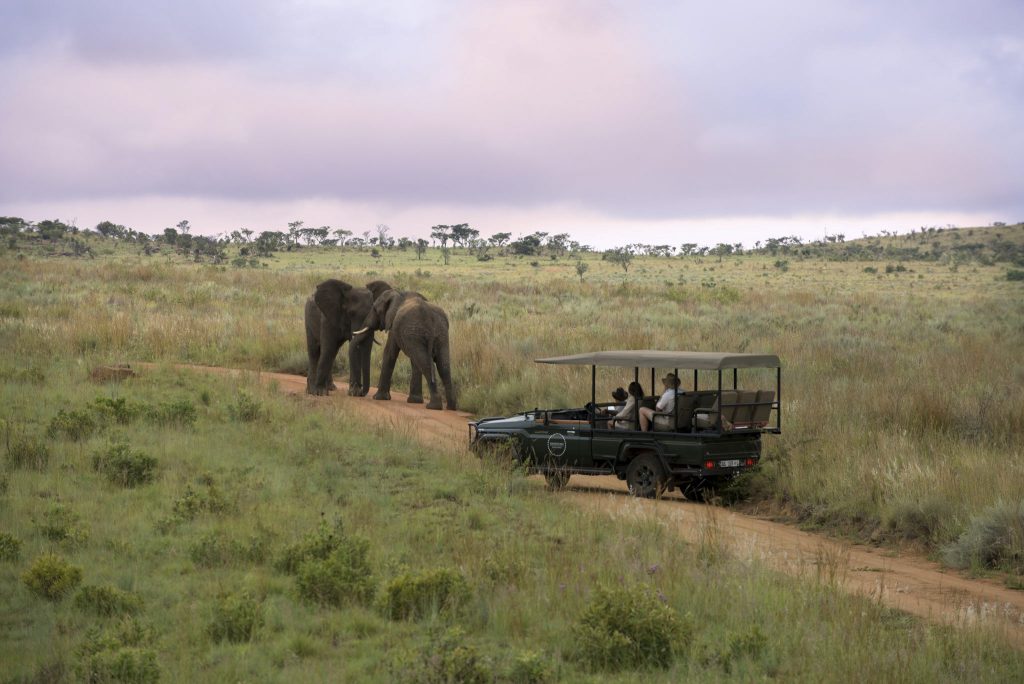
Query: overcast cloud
(661,118)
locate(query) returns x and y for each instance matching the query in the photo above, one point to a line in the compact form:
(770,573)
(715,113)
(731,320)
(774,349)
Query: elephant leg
(365,356)
(387,368)
(415,386)
(355,368)
(444,369)
(313,351)
(421,364)
(328,350)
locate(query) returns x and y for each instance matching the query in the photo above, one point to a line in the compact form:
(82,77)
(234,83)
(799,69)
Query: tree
(184,227)
(581,268)
(441,233)
(170,236)
(623,256)
(342,235)
(499,239)
(382,234)
(421,248)
(528,245)
(462,234)
(110,229)
(688,248)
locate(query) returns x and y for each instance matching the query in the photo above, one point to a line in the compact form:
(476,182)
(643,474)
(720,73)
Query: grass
(902,420)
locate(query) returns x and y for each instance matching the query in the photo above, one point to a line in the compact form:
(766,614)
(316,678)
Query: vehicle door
(562,443)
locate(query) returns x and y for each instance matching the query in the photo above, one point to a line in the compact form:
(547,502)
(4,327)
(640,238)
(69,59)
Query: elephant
(420,329)
(332,313)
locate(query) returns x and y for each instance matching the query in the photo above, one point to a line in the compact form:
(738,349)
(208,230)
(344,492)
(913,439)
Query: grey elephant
(420,329)
(333,312)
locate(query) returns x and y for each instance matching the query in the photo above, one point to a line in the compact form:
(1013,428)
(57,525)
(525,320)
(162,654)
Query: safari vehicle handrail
(651,358)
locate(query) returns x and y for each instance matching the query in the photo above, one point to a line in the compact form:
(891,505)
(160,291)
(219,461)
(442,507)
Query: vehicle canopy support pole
(735,377)
(720,407)
(636,408)
(778,398)
(694,379)
(675,403)
(653,390)
(593,397)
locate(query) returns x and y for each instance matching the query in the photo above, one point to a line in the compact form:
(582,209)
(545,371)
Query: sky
(617,121)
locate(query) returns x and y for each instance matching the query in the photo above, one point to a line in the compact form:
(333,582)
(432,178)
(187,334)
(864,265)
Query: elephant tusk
(360,332)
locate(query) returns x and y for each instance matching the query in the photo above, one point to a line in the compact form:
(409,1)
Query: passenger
(625,419)
(667,404)
(620,396)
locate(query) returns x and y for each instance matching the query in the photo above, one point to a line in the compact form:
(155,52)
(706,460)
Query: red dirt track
(899,580)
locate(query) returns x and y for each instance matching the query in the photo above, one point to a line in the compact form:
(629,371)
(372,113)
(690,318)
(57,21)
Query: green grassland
(221,531)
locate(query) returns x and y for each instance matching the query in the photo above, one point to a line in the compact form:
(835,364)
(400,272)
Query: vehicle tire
(556,479)
(646,477)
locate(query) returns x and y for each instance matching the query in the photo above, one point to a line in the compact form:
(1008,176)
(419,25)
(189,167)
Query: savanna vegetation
(181,527)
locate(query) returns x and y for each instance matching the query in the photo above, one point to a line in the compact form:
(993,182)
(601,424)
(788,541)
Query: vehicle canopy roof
(651,358)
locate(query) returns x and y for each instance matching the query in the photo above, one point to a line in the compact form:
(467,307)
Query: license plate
(731,463)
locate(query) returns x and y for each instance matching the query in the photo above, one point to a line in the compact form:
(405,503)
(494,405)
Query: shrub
(125,466)
(870,269)
(180,413)
(343,578)
(530,667)
(410,597)
(993,540)
(51,577)
(192,503)
(446,658)
(217,549)
(115,410)
(118,655)
(315,545)
(61,524)
(73,425)
(1015,274)
(236,618)
(629,628)
(246,408)
(10,547)
(749,643)
(26,451)
(106,601)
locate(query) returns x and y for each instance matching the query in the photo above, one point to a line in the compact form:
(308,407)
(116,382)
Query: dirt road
(907,582)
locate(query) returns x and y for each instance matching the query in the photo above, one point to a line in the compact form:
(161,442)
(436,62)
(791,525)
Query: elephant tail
(430,362)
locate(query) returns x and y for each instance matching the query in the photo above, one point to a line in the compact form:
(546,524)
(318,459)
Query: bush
(447,658)
(236,618)
(115,410)
(411,597)
(192,503)
(51,577)
(870,269)
(106,601)
(246,408)
(629,628)
(343,578)
(61,524)
(180,413)
(125,466)
(10,547)
(26,451)
(73,425)
(118,655)
(530,667)
(1015,275)
(993,540)
(749,643)
(217,549)
(315,545)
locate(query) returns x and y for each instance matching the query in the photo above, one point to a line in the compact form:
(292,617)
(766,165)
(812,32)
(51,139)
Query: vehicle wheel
(645,477)
(556,479)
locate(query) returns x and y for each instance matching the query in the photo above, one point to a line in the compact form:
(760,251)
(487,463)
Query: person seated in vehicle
(666,404)
(625,419)
(620,396)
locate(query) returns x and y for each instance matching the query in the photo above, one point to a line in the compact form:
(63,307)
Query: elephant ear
(378,287)
(384,308)
(330,298)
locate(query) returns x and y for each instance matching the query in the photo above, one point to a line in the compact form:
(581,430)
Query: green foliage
(315,545)
(118,410)
(343,578)
(216,548)
(870,269)
(531,667)
(415,596)
(10,548)
(626,628)
(782,264)
(1015,274)
(120,654)
(73,425)
(236,618)
(51,577)
(446,659)
(208,499)
(246,408)
(125,466)
(106,601)
(993,540)
(25,451)
(723,652)
(178,413)
(61,524)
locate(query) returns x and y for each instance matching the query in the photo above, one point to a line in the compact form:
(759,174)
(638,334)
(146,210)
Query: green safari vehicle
(712,433)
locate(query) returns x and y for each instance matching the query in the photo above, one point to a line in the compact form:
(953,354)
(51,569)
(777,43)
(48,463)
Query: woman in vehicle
(625,419)
(666,404)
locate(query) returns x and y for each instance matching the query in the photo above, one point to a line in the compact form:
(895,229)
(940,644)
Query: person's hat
(619,394)
(672,379)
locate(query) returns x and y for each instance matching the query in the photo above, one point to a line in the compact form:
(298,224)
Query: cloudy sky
(617,121)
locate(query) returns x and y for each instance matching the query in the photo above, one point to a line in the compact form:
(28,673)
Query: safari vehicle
(712,434)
